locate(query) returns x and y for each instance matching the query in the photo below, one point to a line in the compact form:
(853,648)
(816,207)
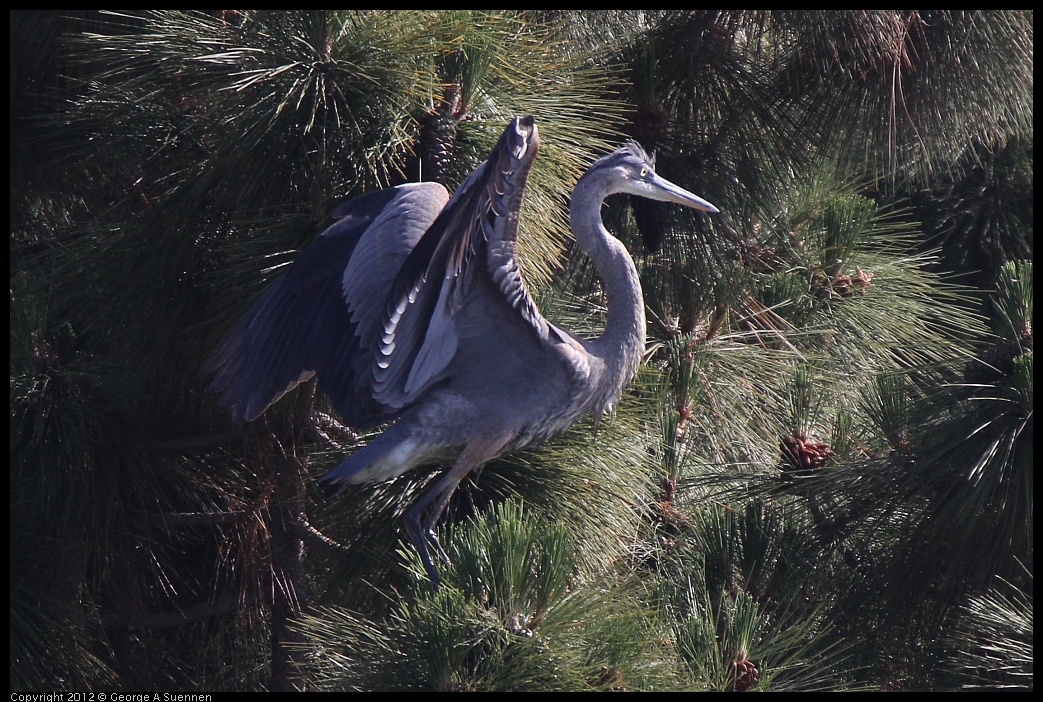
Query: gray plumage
(411,308)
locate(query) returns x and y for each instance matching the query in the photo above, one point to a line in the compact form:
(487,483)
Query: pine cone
(843,286)
(650,126)
(744,674)
(651,220)
(438,135)
(800,456)
(611,679)
(863,279)
(44,360)
(997,362)
(668,520)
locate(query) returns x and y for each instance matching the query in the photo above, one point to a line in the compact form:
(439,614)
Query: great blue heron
(411,307)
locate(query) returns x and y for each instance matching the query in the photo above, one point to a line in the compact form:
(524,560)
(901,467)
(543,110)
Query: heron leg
(421,518)
(421,537)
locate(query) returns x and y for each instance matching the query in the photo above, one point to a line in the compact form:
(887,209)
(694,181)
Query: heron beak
(663,189)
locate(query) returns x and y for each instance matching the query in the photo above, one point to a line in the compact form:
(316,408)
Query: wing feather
(473,236)
(377,304)
(306,324)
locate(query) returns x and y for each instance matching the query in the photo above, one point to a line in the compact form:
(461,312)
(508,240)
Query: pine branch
(180,520)
(161,620)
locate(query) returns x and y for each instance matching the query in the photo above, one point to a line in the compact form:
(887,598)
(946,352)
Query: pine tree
(821,480)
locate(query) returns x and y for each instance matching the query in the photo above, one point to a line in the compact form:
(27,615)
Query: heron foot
(433,538)
(422,537)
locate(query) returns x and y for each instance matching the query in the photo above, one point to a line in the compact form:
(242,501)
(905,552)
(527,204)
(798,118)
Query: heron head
(631,170)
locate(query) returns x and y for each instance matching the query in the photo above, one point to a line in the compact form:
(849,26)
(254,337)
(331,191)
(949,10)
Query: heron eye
(644,172)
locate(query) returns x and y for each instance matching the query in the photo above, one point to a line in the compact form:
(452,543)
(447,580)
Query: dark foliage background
(821,480)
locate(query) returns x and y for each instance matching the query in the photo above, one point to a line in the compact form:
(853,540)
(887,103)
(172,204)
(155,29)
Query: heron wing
(473,237)
(319,316)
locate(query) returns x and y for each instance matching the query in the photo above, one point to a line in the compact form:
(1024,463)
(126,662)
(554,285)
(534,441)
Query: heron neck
(622,343)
